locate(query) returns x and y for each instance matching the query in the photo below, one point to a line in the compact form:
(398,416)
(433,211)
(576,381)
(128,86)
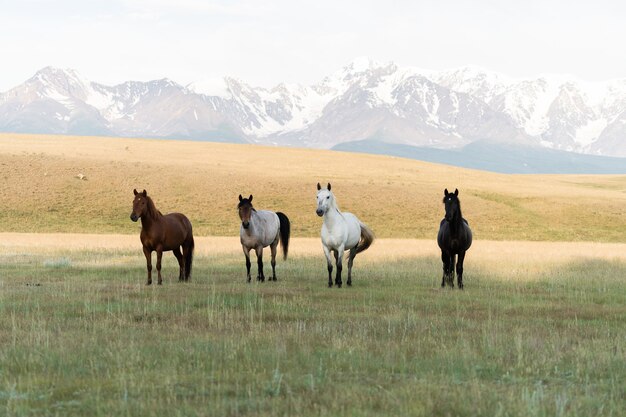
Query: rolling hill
(43,191)
(497,157)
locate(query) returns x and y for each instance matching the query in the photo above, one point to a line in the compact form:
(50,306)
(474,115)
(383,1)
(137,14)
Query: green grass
(80,334)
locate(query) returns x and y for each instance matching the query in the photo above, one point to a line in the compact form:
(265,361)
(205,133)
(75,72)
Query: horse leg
(329,263)
(181,264)
(259,262)
(459,269)
(148,254)
(246,252)
(350,262)
(273,249)
(159,257)
(445,258)
(339,260)
(451,270)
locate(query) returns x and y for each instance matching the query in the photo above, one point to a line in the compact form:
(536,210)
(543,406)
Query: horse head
(245,210)
(140,205)
(325,199)
(452,205)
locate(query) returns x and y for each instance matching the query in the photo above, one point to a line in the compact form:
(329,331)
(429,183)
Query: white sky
(265,42)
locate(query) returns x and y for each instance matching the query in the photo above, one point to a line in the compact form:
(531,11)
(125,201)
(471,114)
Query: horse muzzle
(133,217)
(319,212)
(245,225)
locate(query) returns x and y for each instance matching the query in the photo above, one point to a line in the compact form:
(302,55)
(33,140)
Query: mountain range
(364,101)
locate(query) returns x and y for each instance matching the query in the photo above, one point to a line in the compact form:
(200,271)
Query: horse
(260,229)
(454,238)
(340,232)
(162,233)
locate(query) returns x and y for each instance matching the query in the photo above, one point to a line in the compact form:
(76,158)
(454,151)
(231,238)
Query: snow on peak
(61,78)
(214,87)
(362,64)
(473,80)
(61,85)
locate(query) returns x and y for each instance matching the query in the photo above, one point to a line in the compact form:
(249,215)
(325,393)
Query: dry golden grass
(397,197)
(517,260)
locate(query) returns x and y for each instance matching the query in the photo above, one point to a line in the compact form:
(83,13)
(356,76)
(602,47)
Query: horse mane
(458,217)
(246,201)
(458,202)
(333,203)
(153,212)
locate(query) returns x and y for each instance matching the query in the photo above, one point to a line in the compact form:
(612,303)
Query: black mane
(245,201)
(454,239)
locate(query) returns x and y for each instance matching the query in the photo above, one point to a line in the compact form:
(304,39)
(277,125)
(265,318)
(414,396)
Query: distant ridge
(365,100)
(494,157)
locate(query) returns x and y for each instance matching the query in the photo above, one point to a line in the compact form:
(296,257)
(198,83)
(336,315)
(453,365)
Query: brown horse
(163,233)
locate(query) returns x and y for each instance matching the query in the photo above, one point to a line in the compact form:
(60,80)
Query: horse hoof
(330,285)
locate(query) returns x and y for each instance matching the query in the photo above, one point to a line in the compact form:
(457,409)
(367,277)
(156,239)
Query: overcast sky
(265,42)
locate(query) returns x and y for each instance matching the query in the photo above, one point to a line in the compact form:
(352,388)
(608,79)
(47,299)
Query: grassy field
(537,335)
(397,197)
(540,329)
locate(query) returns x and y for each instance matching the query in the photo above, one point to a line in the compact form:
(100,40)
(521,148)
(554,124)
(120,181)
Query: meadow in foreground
(80,334)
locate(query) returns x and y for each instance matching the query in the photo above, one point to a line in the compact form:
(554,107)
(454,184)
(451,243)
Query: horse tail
(188,257)
(367,237)
(285,231)
(188,246)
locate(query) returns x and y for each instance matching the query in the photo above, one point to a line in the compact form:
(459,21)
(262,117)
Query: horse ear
(319,187)
(145,194)
(250,199)
(445,192)
(240,197)
(456,191)
(328,186)
(135,191)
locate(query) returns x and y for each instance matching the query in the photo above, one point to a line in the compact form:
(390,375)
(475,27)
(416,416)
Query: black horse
(454,238)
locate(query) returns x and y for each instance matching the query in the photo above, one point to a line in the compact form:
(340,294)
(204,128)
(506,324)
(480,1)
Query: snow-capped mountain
(364,100)
(561,111)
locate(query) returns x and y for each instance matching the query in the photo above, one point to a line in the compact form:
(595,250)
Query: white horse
(340,231)
(260,229)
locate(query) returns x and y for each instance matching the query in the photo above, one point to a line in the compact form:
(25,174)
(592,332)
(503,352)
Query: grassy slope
(534,335)
(397,197)
(81,335)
